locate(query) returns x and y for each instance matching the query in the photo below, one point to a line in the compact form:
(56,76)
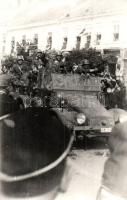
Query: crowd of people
(34,71)
(113,89)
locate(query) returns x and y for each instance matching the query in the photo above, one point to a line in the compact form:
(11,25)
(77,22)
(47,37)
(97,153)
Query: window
(116,36)
(12,44)
(4,43)
(98,39)
(88,40)
(116,32)
(36,39)
(49,41)
(64,46)
(78,42)
(23,40)
(32,44)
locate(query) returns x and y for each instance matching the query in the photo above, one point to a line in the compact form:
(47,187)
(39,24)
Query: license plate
(106,130)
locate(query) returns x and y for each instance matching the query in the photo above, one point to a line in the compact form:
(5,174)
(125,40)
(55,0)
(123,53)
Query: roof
(45,12)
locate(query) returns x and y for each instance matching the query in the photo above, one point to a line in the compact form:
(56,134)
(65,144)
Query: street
(86,170)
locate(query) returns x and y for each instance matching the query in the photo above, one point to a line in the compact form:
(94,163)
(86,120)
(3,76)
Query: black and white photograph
(63,99)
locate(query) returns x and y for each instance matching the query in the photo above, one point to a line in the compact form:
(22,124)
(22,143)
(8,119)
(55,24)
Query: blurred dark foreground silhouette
(34,146)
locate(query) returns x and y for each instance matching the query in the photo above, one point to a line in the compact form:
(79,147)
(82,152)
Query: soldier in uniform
(17,67)
(8,103)
(44,72)
(39,54)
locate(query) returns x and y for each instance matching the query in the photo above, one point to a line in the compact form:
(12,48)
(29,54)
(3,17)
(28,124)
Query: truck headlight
(81,118)
(122,118)
(59,95)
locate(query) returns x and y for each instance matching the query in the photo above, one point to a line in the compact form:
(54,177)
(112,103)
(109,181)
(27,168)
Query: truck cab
(76,99)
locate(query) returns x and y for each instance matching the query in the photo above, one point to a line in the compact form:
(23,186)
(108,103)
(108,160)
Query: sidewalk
(87,169)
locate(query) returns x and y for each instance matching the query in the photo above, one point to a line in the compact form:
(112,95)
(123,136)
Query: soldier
(114,180)
(39,54)
(8,103)
(85,67)
(58,62)
(106,70)
(34,146)
(44,73)
(17,67)
(41,69)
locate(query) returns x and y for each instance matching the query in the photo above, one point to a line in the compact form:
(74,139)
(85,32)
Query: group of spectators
(113,89)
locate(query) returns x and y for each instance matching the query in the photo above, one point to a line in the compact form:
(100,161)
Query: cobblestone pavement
(86,168)
(86,171)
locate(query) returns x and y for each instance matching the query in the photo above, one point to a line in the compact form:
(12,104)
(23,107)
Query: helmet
(39,51)
(20,57)
(85,62)
(59,53)
(66,53)
(37,145)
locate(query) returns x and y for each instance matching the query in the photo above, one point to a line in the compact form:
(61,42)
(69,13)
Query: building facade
(78,25)
(67,25)
(101,30)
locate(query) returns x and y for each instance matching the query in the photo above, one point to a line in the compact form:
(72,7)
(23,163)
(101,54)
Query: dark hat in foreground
(34,146)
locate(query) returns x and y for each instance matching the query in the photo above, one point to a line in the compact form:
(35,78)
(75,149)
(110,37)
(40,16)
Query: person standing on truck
(60,62)
(44,73)
(106,72)
(40,68)
(17,67)
(86,68)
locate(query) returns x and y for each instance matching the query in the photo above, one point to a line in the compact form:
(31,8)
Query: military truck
(76,99)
